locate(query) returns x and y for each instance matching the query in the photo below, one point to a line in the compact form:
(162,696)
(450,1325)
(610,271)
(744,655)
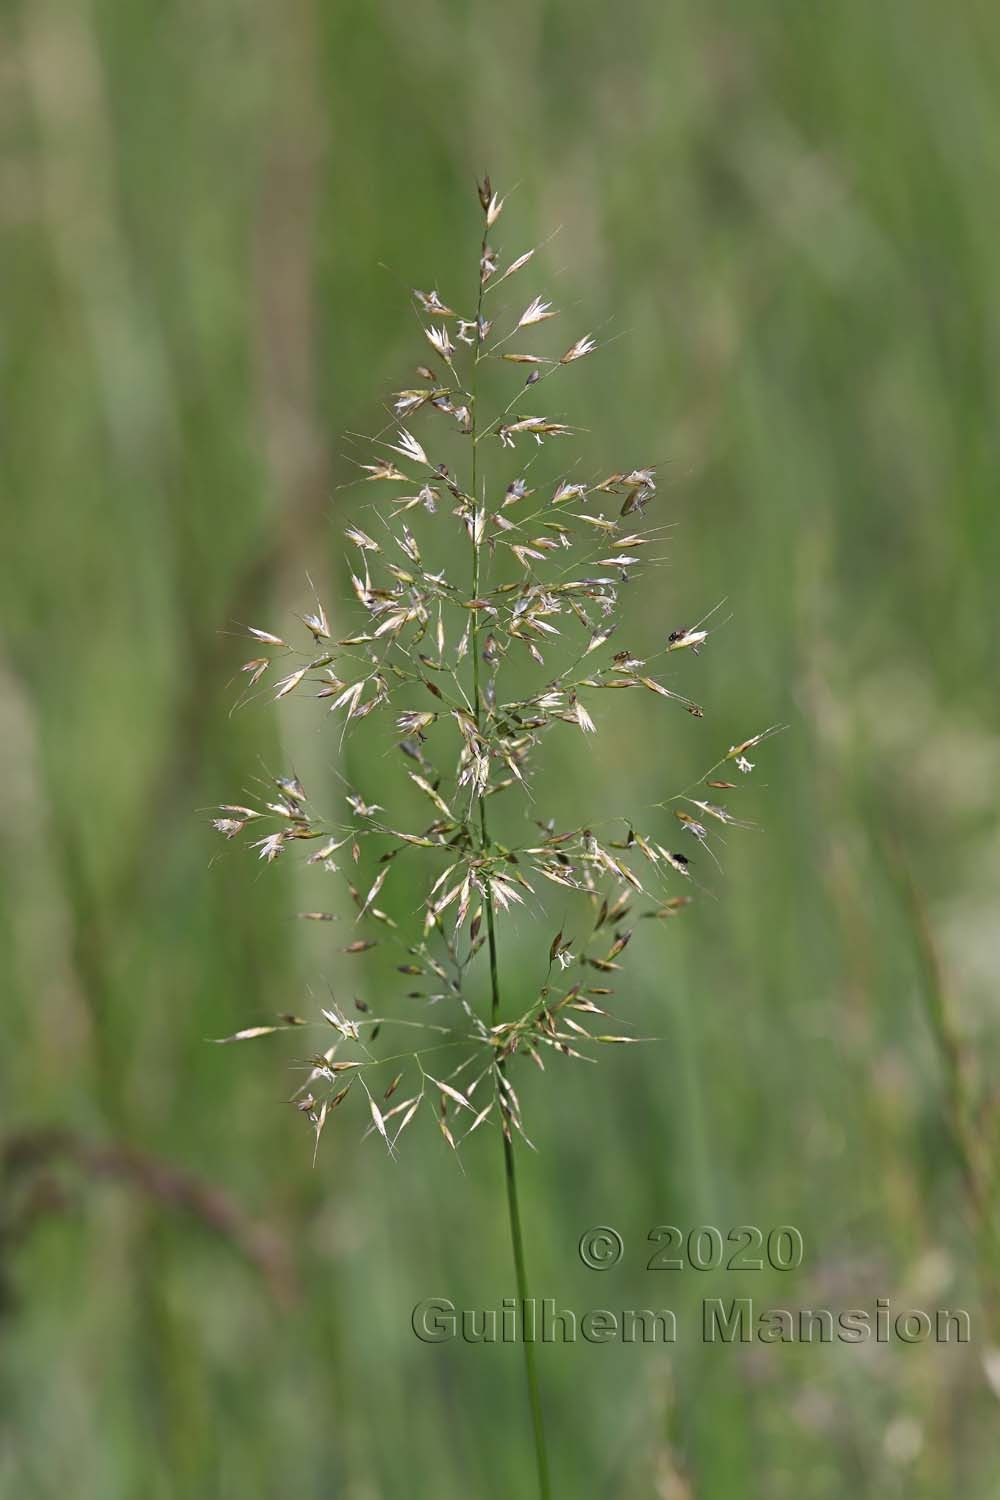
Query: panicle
(472,677)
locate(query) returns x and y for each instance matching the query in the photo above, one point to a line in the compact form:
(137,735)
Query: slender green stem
(491,934)
(513,1208)
(974,1163)
(517,1245)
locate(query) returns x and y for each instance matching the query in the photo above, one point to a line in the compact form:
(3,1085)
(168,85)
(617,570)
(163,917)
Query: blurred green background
(211,218)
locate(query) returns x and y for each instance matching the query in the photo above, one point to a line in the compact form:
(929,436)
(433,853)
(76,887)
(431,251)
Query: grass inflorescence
(478,674)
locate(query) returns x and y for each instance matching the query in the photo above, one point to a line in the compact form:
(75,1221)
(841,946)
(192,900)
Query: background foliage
(211,218)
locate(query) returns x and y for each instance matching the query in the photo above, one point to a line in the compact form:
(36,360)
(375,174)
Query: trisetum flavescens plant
(536,607)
